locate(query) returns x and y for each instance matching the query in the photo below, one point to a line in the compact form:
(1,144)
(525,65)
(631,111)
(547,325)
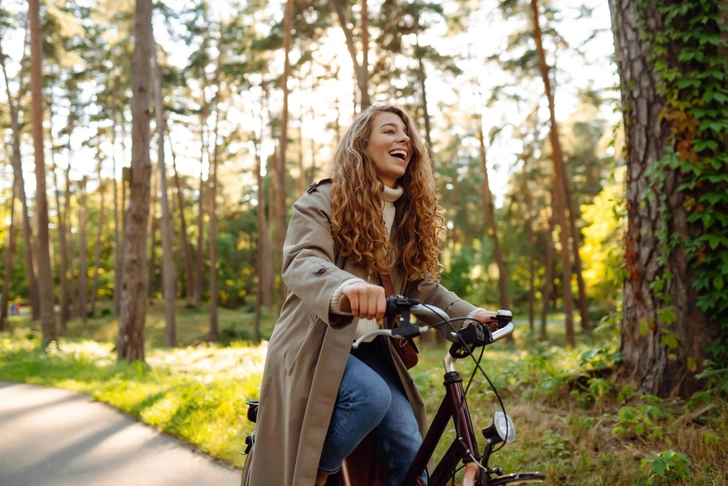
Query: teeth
(399,152)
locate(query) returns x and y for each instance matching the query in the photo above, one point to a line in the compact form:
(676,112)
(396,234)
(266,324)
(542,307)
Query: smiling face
(389,147)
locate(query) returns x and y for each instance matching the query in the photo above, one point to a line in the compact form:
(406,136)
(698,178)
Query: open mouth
(399,154)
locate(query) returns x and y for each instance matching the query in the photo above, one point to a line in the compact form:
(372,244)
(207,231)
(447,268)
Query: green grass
(576,422)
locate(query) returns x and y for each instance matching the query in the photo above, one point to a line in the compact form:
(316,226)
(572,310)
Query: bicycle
(464,447)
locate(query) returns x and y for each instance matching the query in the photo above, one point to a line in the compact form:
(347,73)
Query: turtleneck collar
(391,195)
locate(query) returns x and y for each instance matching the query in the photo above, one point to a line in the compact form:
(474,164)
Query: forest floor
(577,421)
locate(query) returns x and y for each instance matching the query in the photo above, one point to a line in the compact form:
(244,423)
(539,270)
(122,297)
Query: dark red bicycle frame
(463,448)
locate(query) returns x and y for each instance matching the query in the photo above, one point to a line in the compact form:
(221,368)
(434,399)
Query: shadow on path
(55,437)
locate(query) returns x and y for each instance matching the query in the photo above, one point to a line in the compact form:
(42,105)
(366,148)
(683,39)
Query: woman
(378,215)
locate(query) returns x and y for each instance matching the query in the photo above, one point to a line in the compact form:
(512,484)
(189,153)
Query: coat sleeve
(434,294)
(308,267)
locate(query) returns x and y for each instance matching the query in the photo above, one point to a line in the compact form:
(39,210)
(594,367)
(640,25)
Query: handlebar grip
(390,312)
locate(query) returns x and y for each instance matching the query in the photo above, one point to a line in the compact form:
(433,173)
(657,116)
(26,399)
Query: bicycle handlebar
(396,304)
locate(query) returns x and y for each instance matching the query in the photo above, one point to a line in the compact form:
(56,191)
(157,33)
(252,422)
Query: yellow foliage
(602,238)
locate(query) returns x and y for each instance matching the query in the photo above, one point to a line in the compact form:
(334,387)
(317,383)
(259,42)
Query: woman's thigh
(363,400)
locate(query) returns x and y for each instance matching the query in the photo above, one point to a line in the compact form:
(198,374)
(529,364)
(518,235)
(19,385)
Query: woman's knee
(372,397)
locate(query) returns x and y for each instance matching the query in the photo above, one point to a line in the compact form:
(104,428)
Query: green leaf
(718,282)
(659,466)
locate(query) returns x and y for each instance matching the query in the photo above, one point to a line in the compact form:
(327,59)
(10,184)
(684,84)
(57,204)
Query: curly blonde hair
(357,222)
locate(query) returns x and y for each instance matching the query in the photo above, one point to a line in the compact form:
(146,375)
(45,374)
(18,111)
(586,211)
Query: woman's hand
(364,300)
(487,318)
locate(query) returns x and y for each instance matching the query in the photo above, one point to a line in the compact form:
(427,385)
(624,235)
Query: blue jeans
(371,398)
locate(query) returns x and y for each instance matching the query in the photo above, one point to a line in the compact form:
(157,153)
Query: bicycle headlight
(501,430)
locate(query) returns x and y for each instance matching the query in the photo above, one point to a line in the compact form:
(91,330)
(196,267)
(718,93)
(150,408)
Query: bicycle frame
(463,448)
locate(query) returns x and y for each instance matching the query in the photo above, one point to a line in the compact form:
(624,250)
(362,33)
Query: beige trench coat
(309,347)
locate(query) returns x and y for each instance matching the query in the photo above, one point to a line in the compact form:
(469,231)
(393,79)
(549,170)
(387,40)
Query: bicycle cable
(456,417)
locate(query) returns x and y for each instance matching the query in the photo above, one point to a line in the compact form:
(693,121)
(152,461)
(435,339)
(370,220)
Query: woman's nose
(403,138)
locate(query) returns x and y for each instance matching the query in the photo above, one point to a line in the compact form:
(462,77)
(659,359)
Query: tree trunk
(282,220)
(199,266)
(364,71)
(65,313)
(169,281)
(153,227)
(18,171)
(421,78)
(264,265)
(82,253)
(200,238)
(660,369)
(337,103)
(117,236)
(134,285)
(72,287)
(312,114)
(558,182)
(548,283)
(263,295)
(45,272)
(489,213)
(183,225)
(301,169)
(531,249)
(97,262)
(214,334)
(361,72)
(9,251)
(562,177)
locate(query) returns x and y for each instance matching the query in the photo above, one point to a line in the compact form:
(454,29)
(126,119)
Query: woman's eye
(390,131)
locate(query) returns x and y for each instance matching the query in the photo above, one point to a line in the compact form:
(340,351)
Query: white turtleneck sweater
(389,197)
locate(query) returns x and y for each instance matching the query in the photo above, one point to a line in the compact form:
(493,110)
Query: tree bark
(97,256)
(559,183)
(659,369)
(134,285)
(82,253)
(169,281)
(489,213)
(45,272)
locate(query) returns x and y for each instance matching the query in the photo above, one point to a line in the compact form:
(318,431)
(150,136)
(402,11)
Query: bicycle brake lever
(406,332)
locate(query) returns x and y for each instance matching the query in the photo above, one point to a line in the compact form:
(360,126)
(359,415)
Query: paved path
(56,437)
